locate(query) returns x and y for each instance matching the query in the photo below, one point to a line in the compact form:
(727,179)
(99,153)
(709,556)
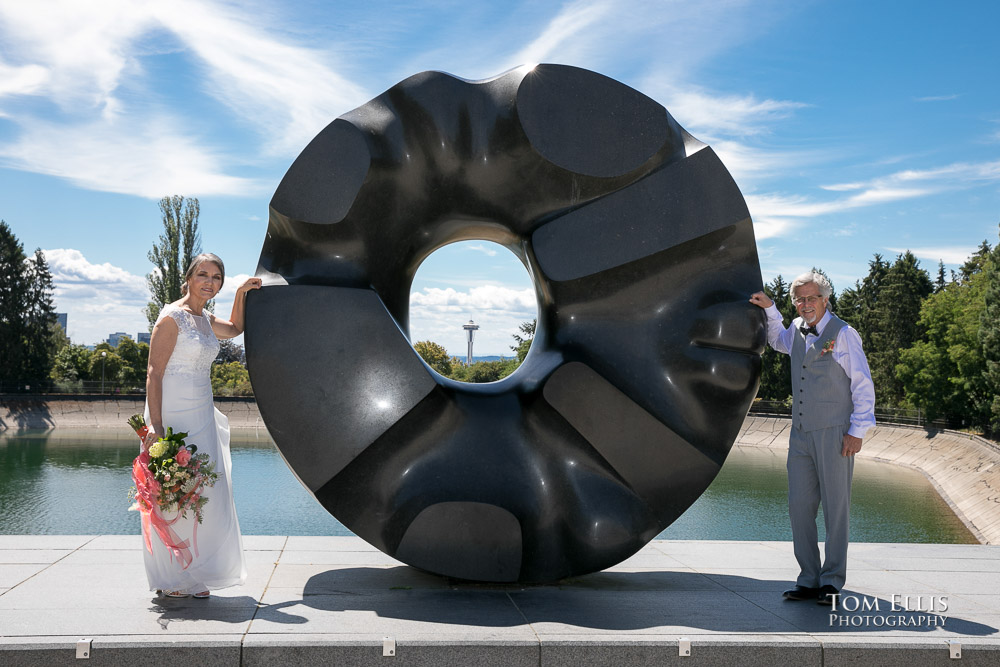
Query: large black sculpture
(646,355)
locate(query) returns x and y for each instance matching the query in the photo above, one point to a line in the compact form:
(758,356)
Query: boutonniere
(827,348)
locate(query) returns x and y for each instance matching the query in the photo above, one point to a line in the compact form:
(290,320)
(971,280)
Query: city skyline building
(115,338)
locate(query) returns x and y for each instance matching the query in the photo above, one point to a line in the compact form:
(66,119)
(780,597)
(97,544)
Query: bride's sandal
(177,594)
(202,596)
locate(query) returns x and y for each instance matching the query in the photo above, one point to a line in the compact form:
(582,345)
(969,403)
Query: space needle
(471,329)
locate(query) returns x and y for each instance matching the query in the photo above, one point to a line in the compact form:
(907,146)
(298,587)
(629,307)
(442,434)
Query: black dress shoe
(827,594)
(801,593)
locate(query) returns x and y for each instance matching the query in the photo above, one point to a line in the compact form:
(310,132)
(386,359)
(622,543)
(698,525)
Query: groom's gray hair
(825,288)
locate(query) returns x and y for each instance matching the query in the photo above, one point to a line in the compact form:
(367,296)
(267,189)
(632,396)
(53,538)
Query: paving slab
(334,600)
(44,541)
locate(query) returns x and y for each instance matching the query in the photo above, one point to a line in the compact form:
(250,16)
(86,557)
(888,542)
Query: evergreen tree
(976,261)
(13,303)
(891,323)
(179,243)
(40,318)
(27,316)
(940,282)
(989,336)
(775,372)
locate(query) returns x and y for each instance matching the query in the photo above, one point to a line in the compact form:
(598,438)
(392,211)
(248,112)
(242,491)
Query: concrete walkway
(333,600)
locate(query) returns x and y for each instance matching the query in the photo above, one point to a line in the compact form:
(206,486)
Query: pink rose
(183,457)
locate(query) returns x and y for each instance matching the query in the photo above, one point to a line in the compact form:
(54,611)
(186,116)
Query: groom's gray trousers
(817,472)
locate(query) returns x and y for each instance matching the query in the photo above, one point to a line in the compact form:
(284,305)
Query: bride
(179,395)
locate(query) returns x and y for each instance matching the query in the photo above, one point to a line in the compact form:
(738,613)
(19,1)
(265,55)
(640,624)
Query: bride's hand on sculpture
(234,325)
(761,299)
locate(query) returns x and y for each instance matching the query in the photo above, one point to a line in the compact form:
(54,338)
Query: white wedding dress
(216,547)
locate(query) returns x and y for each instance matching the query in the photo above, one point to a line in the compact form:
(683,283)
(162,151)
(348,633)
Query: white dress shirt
(847,352)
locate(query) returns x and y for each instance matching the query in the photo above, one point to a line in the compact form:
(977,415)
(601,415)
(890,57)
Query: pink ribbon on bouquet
(147,491)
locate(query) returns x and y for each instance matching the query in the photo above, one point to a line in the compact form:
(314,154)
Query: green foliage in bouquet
(180,474)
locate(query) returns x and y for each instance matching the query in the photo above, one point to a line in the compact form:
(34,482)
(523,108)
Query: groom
(833,407)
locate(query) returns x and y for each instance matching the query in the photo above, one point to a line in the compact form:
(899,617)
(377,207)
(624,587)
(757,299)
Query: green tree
(40,318)
(58,337)
(896,323)
(105,365)
(885,309)
(989,336)
(484,371)
(940,282)
(775,374)
(179,243)
(27,315)
(976,262)
(942,373)
(230,352)
(135,359)
(72,363)
(13,302)
(858,309)
(231,379)
(435,356)
(523,343)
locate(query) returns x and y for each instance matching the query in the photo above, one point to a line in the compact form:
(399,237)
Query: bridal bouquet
(170,476)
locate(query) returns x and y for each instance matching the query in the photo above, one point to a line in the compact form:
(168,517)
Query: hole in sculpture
(479,288)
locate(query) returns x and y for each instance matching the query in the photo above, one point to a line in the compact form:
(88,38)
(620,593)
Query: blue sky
(851,127)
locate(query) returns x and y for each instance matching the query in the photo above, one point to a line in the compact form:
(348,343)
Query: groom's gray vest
(821,389)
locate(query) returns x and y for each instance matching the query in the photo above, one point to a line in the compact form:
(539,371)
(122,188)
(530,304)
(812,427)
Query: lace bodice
(196,346)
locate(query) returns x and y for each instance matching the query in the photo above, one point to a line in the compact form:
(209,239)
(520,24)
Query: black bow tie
(808,330)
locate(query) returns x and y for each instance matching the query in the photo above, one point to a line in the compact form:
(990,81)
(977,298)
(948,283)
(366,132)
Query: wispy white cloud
(91,64)
(776,214)
(25,80)
(572,20)
(479,247)
(843,187)
(289,92)
(727,115)
(938,98)
(946,254)
(117,156)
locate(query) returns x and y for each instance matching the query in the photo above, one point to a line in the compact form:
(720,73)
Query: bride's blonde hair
(198,261)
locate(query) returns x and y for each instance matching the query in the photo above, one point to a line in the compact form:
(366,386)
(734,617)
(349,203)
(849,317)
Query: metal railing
(96,388)
(883,415)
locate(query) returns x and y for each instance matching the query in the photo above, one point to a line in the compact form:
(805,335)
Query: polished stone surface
(312,600)
(646,353)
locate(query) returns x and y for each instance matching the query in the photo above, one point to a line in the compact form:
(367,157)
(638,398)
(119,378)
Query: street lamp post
(104,356)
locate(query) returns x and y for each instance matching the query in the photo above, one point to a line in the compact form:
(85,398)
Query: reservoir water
(69,482)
